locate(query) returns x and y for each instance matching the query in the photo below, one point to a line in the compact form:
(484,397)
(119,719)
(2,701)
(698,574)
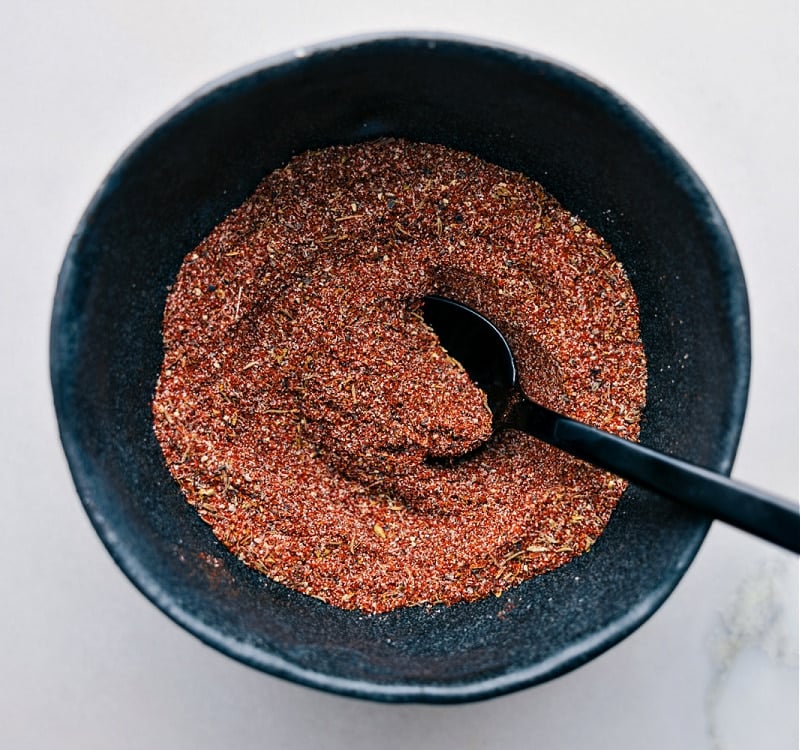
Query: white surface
(86,662)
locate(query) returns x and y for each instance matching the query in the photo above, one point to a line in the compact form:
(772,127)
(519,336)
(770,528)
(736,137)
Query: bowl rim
(579,653)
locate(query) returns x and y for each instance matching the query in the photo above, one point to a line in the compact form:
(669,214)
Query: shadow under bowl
(588,148)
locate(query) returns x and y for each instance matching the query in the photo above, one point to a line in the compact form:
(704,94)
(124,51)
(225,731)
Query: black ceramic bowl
(596,155)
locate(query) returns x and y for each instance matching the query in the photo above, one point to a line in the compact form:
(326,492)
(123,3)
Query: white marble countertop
(87,662)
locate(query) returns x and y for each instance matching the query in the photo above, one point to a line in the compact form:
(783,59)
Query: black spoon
(485,354)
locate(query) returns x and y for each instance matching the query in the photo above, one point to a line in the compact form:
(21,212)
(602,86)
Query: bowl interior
(590,150)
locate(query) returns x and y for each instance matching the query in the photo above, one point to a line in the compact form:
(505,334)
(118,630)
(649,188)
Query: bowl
(595,154)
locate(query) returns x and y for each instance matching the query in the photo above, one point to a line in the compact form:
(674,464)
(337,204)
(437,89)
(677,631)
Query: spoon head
(478,345)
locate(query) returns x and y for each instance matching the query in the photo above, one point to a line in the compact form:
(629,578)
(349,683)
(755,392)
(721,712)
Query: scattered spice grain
(302,396)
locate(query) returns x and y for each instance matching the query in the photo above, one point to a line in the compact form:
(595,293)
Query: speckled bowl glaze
(591,150)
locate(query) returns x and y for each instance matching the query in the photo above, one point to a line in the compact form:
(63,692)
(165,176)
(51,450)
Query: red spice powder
(302,395)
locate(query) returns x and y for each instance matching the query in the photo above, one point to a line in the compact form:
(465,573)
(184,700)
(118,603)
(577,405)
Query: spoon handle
(767,516)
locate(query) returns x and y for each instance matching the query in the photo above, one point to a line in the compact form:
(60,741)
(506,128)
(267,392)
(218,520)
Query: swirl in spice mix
(302,396)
